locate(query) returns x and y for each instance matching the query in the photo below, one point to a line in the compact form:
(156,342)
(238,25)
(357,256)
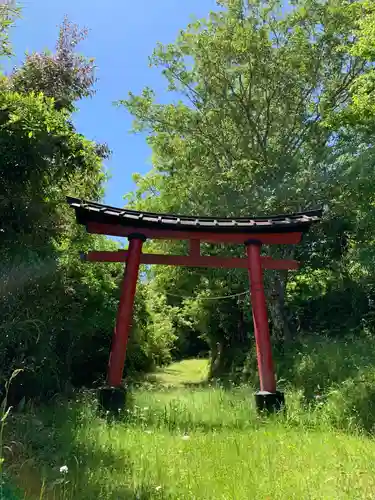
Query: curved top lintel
(91,213)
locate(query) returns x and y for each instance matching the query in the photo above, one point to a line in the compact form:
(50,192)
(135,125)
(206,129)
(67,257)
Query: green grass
(191,442)
(188,371)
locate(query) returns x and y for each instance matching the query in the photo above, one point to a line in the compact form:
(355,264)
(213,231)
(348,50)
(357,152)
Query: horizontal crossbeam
(191,260)
(282,238)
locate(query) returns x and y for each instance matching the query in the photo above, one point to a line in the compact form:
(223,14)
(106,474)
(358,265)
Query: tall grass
(190,443)
(184,439)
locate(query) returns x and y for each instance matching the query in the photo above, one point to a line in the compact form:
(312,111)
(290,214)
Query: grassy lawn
(188,371)
(187,443)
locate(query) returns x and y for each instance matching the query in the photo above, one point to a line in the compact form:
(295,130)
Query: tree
(40,152)
(252,132)
(65,75)
(360,110)
(8,14)
(57,313)
(44,159)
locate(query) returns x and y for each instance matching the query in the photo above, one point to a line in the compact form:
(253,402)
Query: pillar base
(112,399)
(269,402)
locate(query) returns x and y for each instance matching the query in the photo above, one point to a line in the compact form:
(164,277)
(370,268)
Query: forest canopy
(274,114)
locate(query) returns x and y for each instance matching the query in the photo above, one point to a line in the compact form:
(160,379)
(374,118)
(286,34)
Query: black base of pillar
(112,400)
(270,402)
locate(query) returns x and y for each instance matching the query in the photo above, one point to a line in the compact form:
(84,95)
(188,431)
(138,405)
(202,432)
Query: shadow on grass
(153,382)
(43,441)
(224,383)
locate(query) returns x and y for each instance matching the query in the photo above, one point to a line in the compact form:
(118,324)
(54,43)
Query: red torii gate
(139,226)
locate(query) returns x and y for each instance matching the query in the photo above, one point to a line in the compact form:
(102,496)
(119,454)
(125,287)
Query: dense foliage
(64,75)
(275,115)
(57,314)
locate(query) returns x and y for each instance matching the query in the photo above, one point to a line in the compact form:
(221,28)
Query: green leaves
(268,114)
(8,14)
(52,306)
(64,76)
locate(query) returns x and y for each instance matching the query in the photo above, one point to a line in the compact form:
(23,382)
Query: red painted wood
(124,314)
(261,330)
(194,248)
(162,234)
(280,264)
(192,261)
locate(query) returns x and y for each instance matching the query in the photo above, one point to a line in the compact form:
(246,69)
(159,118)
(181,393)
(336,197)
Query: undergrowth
(192,439)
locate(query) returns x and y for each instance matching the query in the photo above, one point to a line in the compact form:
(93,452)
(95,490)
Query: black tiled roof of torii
(87,211)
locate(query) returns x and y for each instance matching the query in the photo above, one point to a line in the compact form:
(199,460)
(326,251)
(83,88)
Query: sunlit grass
(189,443)
(272,462)
(188,371)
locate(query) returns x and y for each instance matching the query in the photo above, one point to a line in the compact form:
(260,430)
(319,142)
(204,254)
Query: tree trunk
(216,361)
(277,308)
(228,354)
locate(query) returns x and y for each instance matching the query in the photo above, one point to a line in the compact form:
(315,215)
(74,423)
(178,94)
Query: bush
(351,404)
(58,328)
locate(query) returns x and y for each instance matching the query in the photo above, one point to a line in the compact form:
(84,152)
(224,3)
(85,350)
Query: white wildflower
(64,469)
(158,488)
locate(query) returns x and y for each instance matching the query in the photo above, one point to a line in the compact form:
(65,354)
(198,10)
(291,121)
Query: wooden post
(268,398)
(260,318)
(125,311)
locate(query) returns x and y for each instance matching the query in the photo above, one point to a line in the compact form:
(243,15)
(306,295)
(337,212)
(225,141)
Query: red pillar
(125,311)
(259,307)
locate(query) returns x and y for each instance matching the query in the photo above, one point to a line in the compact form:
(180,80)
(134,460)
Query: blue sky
(123,34)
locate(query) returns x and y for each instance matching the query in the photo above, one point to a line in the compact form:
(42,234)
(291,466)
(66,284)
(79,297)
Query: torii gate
(139,226)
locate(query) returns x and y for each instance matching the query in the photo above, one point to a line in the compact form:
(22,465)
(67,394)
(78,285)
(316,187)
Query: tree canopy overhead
(268,121)
(257,86)
(64,75)
(57,314)
(271,111)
